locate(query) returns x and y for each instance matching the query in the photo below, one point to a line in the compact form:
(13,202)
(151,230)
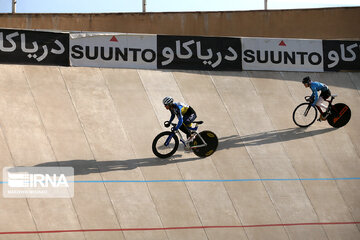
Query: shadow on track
(268,137)
(84,167)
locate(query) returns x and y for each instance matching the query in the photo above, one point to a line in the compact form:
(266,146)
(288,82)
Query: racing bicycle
(337,115)
(166,143)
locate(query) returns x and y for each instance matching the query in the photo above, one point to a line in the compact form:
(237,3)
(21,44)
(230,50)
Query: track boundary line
(179,228)
(212,180)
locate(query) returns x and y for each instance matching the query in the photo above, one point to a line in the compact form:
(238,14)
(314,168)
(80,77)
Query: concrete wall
(329,23)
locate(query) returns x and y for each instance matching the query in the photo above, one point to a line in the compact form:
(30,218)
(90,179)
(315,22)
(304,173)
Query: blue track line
(217,180)
(214,180)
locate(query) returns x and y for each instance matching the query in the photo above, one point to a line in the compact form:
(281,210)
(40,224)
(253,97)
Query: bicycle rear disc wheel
(304,115)
(339,116)
(164,151)
(211,140)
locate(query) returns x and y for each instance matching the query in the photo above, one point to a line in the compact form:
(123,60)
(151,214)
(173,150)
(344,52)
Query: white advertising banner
(279,54)
(113,50)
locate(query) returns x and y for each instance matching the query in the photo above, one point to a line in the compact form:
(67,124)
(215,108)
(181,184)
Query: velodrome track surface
(268,180)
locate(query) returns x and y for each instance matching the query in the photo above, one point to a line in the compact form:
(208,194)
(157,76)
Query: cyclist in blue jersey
(316,99)
(185,114)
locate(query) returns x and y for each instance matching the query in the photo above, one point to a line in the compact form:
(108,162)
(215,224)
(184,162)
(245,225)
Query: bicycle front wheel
(165,144)
(304,115)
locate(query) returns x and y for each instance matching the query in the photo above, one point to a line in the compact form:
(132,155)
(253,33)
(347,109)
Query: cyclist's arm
(314,95)
(172,116)
(180,119)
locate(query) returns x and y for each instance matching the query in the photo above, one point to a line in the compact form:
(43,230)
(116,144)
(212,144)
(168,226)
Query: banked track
(268,179)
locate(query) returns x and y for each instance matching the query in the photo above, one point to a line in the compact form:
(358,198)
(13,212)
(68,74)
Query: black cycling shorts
(325,94)
(189,116)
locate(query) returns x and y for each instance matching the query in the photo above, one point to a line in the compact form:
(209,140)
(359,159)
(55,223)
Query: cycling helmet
(306,80)
(168,100)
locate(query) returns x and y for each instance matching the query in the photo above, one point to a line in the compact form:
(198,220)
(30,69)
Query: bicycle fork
(307,110)
(169,139)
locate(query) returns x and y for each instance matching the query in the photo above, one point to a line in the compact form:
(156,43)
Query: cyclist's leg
(324,108)
(185,130)
(323,96)
(188,119)
(321,103)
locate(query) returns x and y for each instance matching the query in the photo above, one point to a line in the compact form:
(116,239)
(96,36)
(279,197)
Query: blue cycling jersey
(315,87)
(179,109)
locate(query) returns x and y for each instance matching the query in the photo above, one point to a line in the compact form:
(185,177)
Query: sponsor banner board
(34,47)
(278,54)
(113,50)
(198,53)
(341,55)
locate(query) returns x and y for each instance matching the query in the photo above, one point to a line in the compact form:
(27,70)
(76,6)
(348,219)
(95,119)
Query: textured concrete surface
(317,23)
(268,180)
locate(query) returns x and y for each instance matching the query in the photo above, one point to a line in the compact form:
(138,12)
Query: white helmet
(168,100)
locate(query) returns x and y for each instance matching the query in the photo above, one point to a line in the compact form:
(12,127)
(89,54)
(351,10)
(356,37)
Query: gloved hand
(167,124)
(311,99)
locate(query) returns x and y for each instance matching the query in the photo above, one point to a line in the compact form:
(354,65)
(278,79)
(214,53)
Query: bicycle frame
(177,132)
(330,104)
